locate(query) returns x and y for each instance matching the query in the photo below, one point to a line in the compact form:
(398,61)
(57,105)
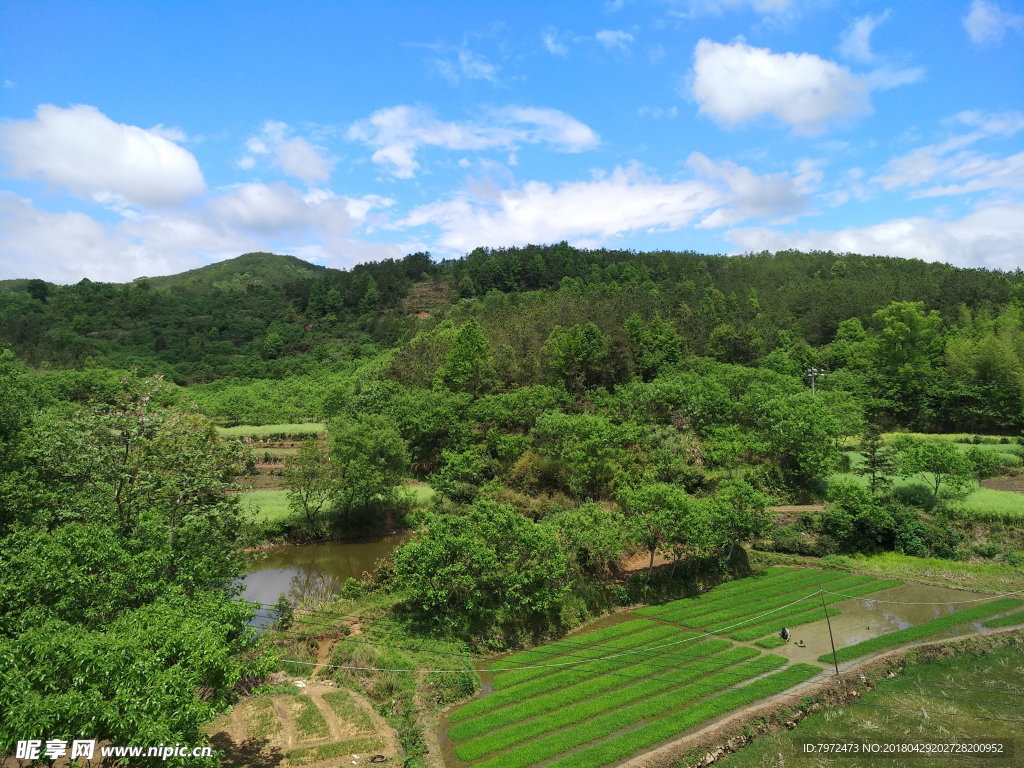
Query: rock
(300,684)
(378,759)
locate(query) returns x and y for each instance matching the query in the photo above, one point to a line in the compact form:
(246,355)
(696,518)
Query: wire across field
(773,593)
(927,629)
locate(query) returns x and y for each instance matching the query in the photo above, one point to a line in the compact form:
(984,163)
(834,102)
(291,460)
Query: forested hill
(269,316)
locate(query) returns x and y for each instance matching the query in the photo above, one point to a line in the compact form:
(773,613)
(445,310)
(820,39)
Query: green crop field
(987,505)
(783,597)
(645,679)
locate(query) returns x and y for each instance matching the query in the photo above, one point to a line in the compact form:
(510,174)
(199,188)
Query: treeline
(267,316)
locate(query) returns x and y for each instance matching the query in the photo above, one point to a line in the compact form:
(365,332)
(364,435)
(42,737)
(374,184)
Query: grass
(309,720)
(304,755)
(261,720)
(920,631)
(271,506)
(268,506)
(929,701)
(346,709)
(991,506)
(266,430)
(992,577)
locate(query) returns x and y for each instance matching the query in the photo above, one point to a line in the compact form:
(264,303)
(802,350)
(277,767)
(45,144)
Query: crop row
(768,597)
(800,614)
(751,613)
(656,706)
(800,581)
(567,676)
(628,646)
(771,576)
(751,607)
(926,629)
(545,652)
(1005,621)
(666,727)
(652,681)
(600,676)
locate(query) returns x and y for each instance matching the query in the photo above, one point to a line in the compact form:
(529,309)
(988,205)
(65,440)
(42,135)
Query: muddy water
(313,570)
(864,618)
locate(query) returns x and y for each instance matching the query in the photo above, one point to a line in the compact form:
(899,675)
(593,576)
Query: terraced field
(605,695)
(602,696)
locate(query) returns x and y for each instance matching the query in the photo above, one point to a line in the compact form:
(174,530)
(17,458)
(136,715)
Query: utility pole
(813,373)
(828,621)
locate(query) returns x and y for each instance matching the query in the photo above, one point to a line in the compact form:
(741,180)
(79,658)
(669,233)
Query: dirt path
(723,735)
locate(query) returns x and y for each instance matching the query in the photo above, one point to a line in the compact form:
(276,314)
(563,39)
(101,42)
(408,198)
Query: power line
(652,663)
(948,602)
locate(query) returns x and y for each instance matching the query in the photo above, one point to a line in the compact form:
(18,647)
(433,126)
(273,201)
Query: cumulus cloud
(614,39)
(736,82)
(396,133)
(989,237)
(293,155)
(36,243)
(776,195)
(83,151)
(987,23)
(953,166)
(609,206)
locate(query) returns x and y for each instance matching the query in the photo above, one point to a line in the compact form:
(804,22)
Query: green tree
(575,357)
(469,365)
(370,457)
(489,569)
(938,463)
(311,481)
(652,511)
(879,461)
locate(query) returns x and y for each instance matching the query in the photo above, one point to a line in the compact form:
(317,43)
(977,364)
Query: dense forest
(567,407)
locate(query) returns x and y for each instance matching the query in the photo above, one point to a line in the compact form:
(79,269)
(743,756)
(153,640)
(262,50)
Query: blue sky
(143,138)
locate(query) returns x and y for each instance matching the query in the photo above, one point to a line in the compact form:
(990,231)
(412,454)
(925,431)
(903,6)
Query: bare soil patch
(1014,483)
(260,732)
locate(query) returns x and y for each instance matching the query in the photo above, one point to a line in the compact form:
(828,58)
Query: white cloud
(693,8)
(37,243)
(295,156)
(856,40)
(657,113)
(735,83)
(609,206)
(553,45)
(397,133)
(464,64)
(614,39)
(989,237)
(88,154)
(750,195)
(952,167)
(988,23)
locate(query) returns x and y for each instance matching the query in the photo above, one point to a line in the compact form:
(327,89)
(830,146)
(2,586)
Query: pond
(312,571)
